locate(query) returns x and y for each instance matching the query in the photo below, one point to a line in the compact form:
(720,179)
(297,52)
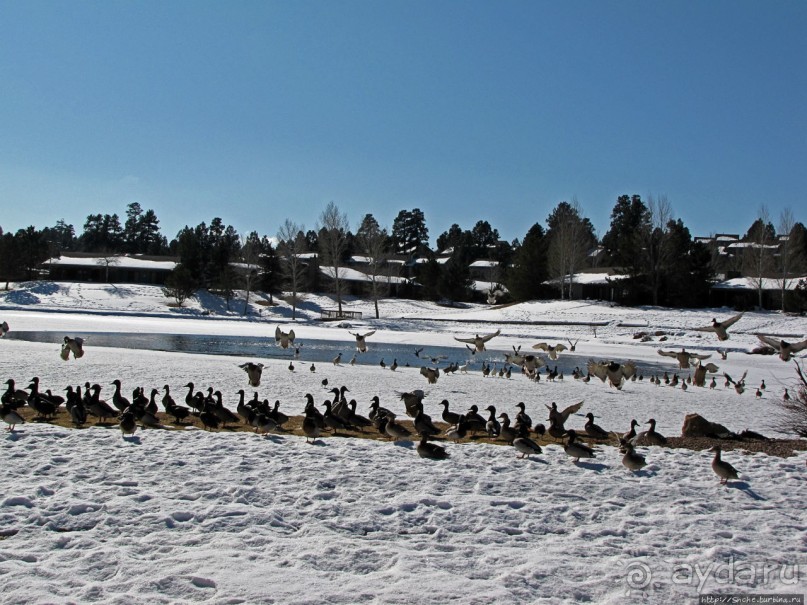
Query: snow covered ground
(185,516)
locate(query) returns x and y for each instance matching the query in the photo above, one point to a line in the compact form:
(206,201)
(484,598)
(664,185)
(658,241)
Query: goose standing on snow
(522,443)
(431,450)
(786,349)
(723,469)
(576,449)
(721,327)
(630,459)
(479,341)
(593,430)
(3,329)
(361,344)
(10,416)
(651,436)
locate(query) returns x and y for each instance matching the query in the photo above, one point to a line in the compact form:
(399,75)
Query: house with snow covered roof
(109,268)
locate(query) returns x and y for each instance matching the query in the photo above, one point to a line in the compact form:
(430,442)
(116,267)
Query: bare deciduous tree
(758,254)
(791,257)
(292,245)
(332,229)
(570,236)
(658,252)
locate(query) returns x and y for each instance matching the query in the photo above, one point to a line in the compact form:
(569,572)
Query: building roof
(121,261)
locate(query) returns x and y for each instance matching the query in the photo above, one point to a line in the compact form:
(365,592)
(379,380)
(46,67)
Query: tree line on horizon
(663,263)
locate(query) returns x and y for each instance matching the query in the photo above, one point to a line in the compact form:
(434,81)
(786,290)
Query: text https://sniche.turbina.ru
(731,581)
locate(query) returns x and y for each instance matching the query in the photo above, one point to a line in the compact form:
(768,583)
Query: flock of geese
(339,415)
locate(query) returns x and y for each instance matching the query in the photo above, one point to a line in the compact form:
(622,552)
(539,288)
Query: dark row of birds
(339,416)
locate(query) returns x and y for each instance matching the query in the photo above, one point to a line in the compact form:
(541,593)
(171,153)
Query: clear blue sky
(258,111)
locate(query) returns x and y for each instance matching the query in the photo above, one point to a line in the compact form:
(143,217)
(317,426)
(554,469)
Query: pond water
(318,351)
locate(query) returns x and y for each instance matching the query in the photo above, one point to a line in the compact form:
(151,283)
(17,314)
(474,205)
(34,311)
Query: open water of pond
(319,351)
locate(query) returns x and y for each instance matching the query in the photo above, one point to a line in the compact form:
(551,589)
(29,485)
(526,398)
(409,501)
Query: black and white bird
(74,346)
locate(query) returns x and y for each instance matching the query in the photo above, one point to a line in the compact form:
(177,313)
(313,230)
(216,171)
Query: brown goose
(253,371)
(284,339)
(786,349)
(616,373)
(684,357)
(723,469)
(361,343)
(431,450)
(478,341)
(721,327)
(553,350)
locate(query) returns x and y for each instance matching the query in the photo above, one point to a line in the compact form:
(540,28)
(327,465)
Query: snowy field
(186,516)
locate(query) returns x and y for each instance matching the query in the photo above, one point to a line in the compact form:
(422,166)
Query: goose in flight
(721,327)
(253,371)
(553,350)
(684,357)
(74,346)
(786,349)
(478,341)
(361,345)
(284,339)
(617,374)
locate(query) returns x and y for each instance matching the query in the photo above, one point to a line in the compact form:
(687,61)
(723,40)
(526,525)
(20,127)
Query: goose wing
(731,320)
(487,337)
(667,353)
(770,341)
(568,411)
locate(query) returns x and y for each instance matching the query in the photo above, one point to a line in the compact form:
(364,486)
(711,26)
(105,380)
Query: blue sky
(259,111)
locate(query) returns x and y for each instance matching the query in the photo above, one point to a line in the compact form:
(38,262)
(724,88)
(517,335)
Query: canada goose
(449,417)
(572,345)
(786,396)
(786,349)
(179,412)
(361,344)
(352,360)
(560,417)
(479,341)
(357,420)
(431,374)
(528,363)
(253,371)
(458,431)
(284,338)
(721,327)
(758,394)
(739,385)
(98,407)
(382,364)
(616,373)
(577,450)
(74,346)
(394,430)
(650,436)
(699,378)
(4,329)
(723,353)
(474,421)
(394,365)
(337,360)
(412,400)
(263,424)
(291,366)
(313,368)
(713,383)
(631,460)
(127,424)
(13,396)
(525,445)
(431,450)
(593,430)
(522,417)
(762,385)
(722,469)
(222,413)
(10,416)
(423,423)
(684,357)
(553,350)
(208,418)
(631,434)
(492,426)
(376,410)
(118,400)
(506,432)
(333,421)
(311,428)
